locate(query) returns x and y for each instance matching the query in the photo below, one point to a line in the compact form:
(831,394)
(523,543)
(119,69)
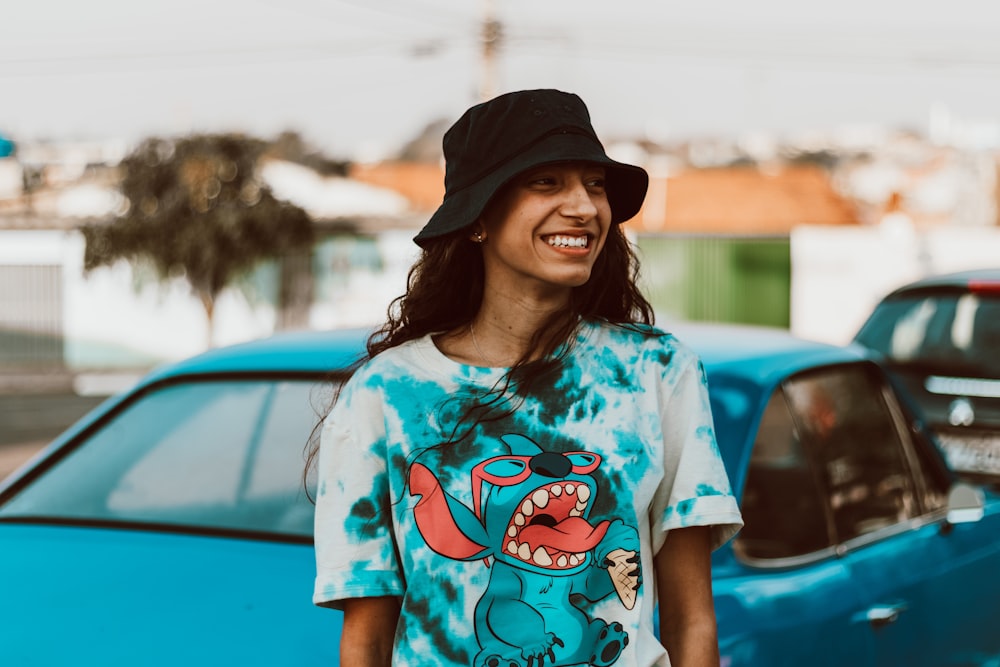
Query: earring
(477,237)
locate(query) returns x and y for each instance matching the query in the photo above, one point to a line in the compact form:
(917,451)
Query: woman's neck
(501,333)
(508,320)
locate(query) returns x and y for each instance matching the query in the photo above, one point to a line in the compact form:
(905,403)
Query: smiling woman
(522,455)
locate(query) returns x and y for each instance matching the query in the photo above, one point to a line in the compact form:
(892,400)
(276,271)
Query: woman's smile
(571,241)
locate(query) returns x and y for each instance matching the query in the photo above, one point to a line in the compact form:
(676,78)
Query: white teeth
(538,500)
(564,241)
(541,557)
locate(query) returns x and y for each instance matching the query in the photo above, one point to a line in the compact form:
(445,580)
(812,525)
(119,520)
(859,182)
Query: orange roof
(743,200)
(421,183)
(730,200)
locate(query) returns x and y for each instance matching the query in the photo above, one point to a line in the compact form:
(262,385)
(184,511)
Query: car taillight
(984,286)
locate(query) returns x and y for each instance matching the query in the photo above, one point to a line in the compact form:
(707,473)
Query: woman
(523,466)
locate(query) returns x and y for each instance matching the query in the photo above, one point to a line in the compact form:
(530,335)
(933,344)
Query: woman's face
(546,228)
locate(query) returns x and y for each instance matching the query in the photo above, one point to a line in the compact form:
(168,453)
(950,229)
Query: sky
(357,78)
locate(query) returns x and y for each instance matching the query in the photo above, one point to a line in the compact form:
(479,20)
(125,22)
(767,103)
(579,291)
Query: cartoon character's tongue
(572,535)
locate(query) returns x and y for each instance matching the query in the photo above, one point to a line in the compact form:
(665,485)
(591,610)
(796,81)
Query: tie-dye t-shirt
(531,540)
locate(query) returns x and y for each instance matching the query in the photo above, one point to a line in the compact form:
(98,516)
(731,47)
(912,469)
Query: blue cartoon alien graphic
(530,514)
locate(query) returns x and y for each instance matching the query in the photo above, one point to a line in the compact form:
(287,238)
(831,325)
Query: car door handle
(884,614)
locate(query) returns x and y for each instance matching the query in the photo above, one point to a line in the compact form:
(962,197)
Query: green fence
(712,278)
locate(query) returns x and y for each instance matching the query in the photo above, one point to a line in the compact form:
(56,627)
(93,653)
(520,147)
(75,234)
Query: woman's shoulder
(640,344)
(631,335)
(404,358)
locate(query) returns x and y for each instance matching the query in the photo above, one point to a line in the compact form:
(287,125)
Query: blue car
(170,525)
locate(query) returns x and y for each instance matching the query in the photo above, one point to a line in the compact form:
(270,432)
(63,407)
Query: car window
(957,331)
(783,511)
(832,461)
(225,455)
(855,442)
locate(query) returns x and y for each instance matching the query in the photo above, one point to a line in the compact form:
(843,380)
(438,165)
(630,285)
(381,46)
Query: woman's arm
(684,586)
(369,629)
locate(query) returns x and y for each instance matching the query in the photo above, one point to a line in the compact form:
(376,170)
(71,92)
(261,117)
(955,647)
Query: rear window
(224,455)
(955,330)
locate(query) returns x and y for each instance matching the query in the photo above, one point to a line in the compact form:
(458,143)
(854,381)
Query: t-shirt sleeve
(356,555)
(695,489)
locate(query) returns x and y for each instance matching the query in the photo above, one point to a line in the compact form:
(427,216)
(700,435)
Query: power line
(209,57)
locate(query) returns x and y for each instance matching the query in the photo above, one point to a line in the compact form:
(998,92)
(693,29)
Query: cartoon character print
(530,516)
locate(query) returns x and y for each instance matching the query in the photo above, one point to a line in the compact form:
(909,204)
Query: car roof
(306,352)
(957,280)
(753,353)
(762,355)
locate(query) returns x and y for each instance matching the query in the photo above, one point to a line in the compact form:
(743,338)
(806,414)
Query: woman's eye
(596,183)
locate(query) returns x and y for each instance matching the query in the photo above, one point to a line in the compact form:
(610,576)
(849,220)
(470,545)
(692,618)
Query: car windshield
(223,455)
(947,333)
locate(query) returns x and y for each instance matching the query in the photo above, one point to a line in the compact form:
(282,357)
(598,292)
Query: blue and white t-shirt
(531,539)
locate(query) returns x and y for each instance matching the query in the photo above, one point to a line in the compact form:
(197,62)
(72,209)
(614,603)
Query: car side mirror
(965,504)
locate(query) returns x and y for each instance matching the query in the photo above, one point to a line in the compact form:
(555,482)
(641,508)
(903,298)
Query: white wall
(109,309)
(840,273)
(111,318)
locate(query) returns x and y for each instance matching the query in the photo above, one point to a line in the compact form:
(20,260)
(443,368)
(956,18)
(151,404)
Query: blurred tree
(195,208)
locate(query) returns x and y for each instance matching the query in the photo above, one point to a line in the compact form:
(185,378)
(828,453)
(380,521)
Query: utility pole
(490,39)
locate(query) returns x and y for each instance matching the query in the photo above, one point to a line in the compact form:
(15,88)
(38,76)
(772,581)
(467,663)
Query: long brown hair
(445,289)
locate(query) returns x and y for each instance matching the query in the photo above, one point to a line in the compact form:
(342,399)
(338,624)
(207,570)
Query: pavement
(32,417)
(13,455)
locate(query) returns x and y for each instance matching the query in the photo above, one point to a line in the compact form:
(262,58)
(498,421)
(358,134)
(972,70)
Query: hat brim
(626,184)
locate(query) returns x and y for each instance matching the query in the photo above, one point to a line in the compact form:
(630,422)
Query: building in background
(804,236)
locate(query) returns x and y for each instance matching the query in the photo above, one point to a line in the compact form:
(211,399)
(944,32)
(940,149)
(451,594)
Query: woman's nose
(578,202)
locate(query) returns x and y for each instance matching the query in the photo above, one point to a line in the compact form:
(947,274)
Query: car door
(925,585)
(792,600)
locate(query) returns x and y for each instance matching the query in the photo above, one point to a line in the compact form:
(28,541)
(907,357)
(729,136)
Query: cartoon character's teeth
(512,531)
(573,560)
(527,508)
(519,519)
(540,498)
(541,557)
(581,557)
(581,506)
(575,512)
(561,561)
(583,492)
(512,547)
(523,551)
(563,241)
(569,489)
(556,490)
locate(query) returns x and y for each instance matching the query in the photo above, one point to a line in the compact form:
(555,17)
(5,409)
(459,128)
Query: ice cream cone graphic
(621,576)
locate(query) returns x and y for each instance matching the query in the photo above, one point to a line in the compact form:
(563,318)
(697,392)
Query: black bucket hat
(495,141)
